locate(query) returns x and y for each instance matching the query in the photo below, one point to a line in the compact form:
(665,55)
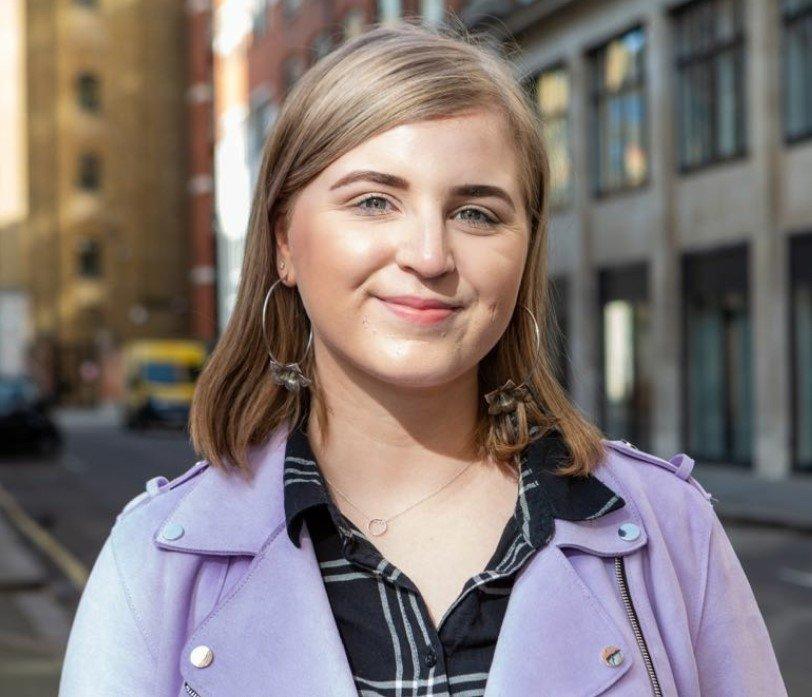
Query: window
(718,360)
(353,23)
(709,45)
(293,68)
(168,373)
(87,91)
(797,68)
(89,175)
(801,349)
(290,8)
(89,258)
(261,117)
(625,351)
(558,331)
(432,11)
(389,10)
(550,91)
(321,46)
(619,112)
(259,17)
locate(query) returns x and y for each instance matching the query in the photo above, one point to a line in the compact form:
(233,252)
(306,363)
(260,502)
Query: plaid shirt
(393,647)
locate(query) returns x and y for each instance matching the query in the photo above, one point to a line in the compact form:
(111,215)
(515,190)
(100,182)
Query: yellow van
(159,380)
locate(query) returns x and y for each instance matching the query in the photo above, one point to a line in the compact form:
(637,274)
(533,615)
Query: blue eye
(369,198)
(486,220)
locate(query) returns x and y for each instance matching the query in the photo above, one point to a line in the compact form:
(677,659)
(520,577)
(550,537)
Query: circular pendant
(377,526)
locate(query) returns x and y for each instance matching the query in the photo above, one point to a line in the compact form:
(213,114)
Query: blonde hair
(386,76)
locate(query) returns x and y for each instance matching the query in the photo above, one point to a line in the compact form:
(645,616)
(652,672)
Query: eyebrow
(396,182)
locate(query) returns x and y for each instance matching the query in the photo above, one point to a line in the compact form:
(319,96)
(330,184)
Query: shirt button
(201,656)
(431,657)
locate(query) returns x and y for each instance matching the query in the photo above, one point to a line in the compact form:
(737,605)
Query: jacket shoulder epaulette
(680,464)
(160,484)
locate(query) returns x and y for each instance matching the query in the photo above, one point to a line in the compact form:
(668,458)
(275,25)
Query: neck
(388,444)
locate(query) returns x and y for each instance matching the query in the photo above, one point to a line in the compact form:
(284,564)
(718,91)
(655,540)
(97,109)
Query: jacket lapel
(555,628)
(274,633)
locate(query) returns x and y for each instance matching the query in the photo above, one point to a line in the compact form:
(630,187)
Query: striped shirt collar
(543,495)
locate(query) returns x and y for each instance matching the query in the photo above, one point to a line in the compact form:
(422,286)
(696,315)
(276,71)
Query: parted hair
(389,75)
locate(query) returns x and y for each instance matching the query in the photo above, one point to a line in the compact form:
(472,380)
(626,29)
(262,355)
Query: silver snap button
(201,656)
(629,531)
(172,531)
(611,655)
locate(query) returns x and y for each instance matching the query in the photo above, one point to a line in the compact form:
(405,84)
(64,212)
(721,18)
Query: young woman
(397,497)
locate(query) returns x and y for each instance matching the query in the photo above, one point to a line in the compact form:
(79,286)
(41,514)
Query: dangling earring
(289,375)
(505,399)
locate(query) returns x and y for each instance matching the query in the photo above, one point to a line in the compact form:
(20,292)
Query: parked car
(25,424)
(160,377)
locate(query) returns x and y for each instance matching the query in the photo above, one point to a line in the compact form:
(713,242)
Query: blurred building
(200,107)
(681,236)
(14,325)
(106,236)
(261,49)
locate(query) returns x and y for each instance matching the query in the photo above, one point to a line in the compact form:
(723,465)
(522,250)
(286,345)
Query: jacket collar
(228,513)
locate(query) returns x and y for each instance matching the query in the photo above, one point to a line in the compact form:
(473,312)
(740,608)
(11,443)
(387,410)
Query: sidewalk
(106,414)
(744,497)
(34,625)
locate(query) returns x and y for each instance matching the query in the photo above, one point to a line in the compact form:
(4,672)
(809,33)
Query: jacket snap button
(612,655)
(629,531)
(172,531)
(201,656)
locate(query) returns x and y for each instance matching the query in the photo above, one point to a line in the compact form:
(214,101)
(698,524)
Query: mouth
(434,313)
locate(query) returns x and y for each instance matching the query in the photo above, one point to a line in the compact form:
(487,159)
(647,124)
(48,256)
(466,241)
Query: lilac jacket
(197,591)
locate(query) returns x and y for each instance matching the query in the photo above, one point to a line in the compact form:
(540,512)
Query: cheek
(331,264)
(495,273)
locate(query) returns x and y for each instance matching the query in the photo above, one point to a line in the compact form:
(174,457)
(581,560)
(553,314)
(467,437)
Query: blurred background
(680,136)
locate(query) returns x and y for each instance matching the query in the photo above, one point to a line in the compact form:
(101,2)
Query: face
(408,251)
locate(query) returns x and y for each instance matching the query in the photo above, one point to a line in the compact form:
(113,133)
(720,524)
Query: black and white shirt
(393,647)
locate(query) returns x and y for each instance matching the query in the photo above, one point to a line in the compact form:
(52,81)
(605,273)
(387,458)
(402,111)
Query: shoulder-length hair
(389,75)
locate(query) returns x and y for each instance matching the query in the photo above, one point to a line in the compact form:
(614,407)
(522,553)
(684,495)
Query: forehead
(440,151)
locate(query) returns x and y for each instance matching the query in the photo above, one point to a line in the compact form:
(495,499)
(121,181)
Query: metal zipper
(189,690)
(620,572)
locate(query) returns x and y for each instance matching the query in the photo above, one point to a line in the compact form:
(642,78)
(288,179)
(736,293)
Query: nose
(426,249)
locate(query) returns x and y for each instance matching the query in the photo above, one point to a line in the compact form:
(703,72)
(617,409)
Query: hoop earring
(289,375)
(505,399)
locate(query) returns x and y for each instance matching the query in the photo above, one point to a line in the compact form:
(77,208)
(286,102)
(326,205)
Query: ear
(280,233)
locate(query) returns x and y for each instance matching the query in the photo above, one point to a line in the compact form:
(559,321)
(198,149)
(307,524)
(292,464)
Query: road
(77,495)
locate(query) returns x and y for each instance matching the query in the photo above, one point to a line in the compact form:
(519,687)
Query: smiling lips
(420,311)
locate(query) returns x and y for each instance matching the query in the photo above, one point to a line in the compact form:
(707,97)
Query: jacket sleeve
(107,652)
(732,647)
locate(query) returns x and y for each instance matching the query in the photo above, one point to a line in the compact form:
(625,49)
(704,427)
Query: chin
(414,369)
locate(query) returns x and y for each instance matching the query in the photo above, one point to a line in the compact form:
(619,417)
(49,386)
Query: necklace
(378,526)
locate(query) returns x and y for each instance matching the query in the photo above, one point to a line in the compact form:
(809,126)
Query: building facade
(14,297)
(200,167)
(679,136)
(106,235)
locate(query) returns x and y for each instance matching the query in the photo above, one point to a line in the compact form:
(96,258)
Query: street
(76,496)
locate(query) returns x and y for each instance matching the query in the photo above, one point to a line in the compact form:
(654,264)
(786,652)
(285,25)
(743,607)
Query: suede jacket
(198,591)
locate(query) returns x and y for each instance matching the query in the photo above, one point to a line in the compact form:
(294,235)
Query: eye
(483,219)
(361,207)
(486,220)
